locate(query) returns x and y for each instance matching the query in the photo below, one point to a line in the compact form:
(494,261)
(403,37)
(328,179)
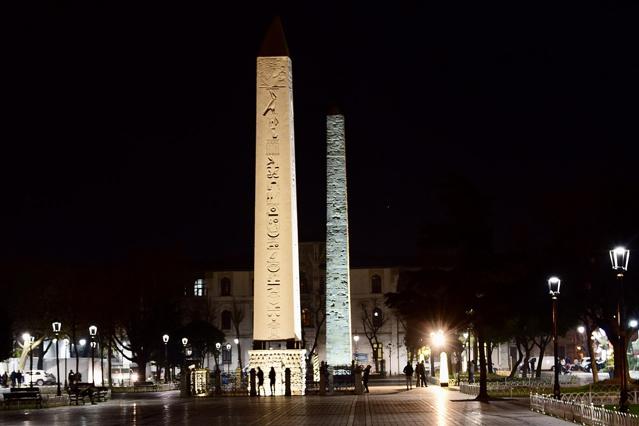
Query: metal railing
(509,387)
(598,398)
(587,414)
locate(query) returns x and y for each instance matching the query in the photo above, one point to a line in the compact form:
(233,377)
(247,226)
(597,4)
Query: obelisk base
(281,359)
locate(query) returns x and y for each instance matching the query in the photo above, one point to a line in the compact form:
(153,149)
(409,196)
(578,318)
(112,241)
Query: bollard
(253,391)
(287,382)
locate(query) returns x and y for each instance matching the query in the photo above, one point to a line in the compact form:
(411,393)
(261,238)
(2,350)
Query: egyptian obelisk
(276,316)
(338,294)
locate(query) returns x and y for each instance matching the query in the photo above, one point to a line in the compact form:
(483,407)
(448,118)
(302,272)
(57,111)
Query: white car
(40,377)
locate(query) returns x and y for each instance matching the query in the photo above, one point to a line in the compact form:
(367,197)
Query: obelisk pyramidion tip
(274,43)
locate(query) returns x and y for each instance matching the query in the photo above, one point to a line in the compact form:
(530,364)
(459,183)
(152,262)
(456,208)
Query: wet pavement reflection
(384,405)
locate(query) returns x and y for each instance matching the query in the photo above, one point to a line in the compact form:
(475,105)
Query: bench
(78,391)
(23,394)
(101,393)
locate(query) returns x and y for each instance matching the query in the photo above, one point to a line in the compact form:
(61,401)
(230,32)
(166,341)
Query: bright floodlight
(553,286)
(185,341)
(93,330)
(581,329)
(57,325)
(26,337)
(439,339)
(633,323)
(236,341)
(218,345)
(619,257)
(228,346)
(165,338)
(83,342)
(356,338)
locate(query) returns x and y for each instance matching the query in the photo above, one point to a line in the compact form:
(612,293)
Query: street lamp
(390,357)
(57,325)
(228,364)
(553,288)
(619,257)
(239,352)
(165,339)
(218,345)
(93,330)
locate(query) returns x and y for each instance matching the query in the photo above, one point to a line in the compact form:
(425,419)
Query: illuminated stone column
(277,300)
(338,295)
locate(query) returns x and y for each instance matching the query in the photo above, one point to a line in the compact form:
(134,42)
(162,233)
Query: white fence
(510,387)
(586,414)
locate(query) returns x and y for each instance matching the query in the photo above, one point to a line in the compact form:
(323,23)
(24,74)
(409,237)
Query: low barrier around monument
(586,414)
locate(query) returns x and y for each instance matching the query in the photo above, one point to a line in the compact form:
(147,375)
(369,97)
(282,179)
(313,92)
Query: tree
(373,320)
(237,316)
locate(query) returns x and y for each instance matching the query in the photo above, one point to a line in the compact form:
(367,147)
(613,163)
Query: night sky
(130,126)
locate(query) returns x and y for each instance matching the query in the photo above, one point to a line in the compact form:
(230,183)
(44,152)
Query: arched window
(225,287)
(226,320)
(305,288)
(376,284)
(378,317)
(307,319)
(199,287)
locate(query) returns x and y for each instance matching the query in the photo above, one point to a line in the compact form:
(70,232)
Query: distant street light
(356,339)
(93,330)
(165,339)
(581,329)
(554,284)
(57,325)
(633,323)
(619,257)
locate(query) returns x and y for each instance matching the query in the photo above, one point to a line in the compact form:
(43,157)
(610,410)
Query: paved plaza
(385,405)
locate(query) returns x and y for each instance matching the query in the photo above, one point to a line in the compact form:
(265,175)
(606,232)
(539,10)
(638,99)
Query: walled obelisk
(276,315)
(338,294)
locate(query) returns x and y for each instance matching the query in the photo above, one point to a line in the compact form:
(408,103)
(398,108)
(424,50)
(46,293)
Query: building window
(225,287)
(199,288)
(304,287)
(226,320)
(376,284)
(378,317)
(307,319)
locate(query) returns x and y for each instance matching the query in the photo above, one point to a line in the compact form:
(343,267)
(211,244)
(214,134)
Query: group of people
(260,381)
(15,379)
(74,378)
(420,375)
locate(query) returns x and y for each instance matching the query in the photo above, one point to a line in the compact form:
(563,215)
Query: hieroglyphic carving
(276,275)
(280,360)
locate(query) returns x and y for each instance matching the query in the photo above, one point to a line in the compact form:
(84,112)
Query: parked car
(40,377)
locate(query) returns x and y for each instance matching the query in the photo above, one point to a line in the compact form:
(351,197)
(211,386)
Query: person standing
(260,381)
(271,378)
(422,372)
(71,378)
(14,378)
(408,372)
(365,377)
(19,378)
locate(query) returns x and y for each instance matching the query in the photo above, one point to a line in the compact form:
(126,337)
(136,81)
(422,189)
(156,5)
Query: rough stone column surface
(338,299)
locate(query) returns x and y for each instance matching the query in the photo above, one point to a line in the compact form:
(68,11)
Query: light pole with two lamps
(57,325)
(93,330)
(553,288)
(619,258)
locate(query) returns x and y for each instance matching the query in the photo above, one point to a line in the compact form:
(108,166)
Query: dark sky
(133,126)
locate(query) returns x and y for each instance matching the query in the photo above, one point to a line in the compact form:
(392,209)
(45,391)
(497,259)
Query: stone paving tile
(383,406)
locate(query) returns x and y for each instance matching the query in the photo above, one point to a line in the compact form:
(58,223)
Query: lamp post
(165,339)
(56,329)
(619,257)
(390,357)
(66,352)
(553,288)
(228,364)
(239,355)
(218,345)
(93,330)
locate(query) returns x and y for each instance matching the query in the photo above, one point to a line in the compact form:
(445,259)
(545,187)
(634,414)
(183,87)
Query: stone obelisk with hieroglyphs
(276,309)
(338,293)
